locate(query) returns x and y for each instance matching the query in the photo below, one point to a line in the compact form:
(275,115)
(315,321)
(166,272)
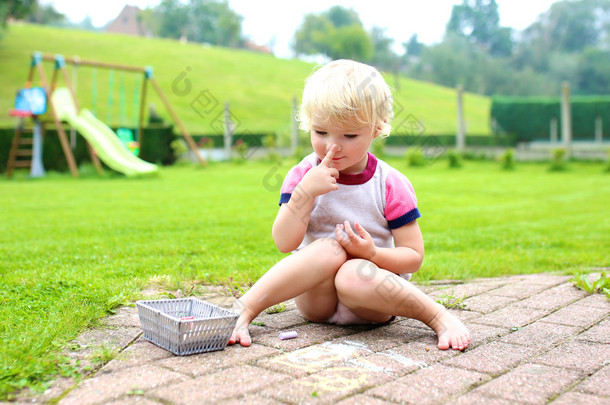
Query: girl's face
(352,139)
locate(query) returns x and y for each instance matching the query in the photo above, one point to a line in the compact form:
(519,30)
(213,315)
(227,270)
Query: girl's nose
(330,145)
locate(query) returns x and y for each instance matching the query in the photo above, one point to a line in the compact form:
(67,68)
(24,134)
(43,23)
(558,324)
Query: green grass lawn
(72,249)
(260,88)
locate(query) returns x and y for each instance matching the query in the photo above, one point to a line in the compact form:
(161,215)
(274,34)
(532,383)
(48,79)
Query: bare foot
(451,331)
(241,334)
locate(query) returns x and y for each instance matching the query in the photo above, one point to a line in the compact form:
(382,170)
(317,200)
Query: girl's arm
(291,221)
(293,217)
(406,257)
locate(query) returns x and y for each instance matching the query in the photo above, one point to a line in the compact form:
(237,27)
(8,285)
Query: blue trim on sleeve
(404,219)
(284,198)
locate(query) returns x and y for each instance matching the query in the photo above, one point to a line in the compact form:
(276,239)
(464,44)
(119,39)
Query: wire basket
(187,325)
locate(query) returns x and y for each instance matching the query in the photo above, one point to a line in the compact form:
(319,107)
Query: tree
(479,22)
(311,37)
(173,19)
(337,33)
(350,42)
(413,47)
(455,61)
(567,27)
(19,9)
(16,9)
(383,56)
(569,42)
(343,17)
(204,21)
(47,15)
(214,22)
(594,72)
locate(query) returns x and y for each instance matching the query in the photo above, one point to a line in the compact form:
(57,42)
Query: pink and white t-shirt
(380,199)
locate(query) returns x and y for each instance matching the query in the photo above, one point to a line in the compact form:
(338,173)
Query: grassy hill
(258,87)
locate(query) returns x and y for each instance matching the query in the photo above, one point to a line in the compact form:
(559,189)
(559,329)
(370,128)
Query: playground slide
(103,139)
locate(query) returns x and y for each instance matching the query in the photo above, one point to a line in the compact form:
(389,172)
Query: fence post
(228,136)
(553,131)
(295,128)
(461,132)
(566,118)
(599,130)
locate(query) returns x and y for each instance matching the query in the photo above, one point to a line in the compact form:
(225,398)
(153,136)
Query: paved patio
(535,339)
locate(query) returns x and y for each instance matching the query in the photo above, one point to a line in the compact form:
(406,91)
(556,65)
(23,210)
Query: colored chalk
(288,335)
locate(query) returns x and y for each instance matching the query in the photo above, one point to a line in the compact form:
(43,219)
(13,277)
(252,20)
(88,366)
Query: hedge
(450,140)
(217,141)
(530,118)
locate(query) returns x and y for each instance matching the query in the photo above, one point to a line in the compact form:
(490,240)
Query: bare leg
(373,293)
(309,271)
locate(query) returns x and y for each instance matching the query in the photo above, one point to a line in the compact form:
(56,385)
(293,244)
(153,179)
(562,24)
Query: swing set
(117,150)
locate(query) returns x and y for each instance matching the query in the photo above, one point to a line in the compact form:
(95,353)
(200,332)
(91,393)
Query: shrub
(454,158)
(415,157)
(179,146)
(507,159)
(241,148)
(270,143)
(558,160)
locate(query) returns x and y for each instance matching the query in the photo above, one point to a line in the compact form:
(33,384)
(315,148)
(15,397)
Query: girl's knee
(355,274)
(328,252)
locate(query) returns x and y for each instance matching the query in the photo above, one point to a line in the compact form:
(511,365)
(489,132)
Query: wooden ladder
(21,152)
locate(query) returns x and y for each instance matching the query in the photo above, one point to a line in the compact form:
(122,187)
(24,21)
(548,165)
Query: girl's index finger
(329,156)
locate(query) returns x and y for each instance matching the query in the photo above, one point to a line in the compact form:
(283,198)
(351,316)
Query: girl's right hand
(321,179)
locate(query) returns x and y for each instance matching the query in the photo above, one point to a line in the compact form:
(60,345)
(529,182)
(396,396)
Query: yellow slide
(101,138)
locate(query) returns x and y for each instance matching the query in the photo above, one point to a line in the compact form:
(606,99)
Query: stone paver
(541,335)
(530,383)
(364,400)
(327,386)
(138,354)
(582,356)
(520,290)
(250,399)
(553,298)
(511,316)
(482,334)
(434,384)
(232,382)
(596,301)
(493,358)
(287,320)
(205,363)
(598,333)
(577,315)
(597,384)
(473,397)
(132,381)
(134,399)
(536,339)
(572,398)
(487,303)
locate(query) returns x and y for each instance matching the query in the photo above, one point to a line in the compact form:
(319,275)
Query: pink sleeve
(293,178)
(401,202)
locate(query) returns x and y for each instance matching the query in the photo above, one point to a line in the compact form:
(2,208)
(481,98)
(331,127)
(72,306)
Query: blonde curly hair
(347,91)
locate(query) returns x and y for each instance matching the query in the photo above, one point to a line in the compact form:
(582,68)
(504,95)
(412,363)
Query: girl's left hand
(359,245)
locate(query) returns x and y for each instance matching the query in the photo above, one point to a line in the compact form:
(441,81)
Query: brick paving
(536,340)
